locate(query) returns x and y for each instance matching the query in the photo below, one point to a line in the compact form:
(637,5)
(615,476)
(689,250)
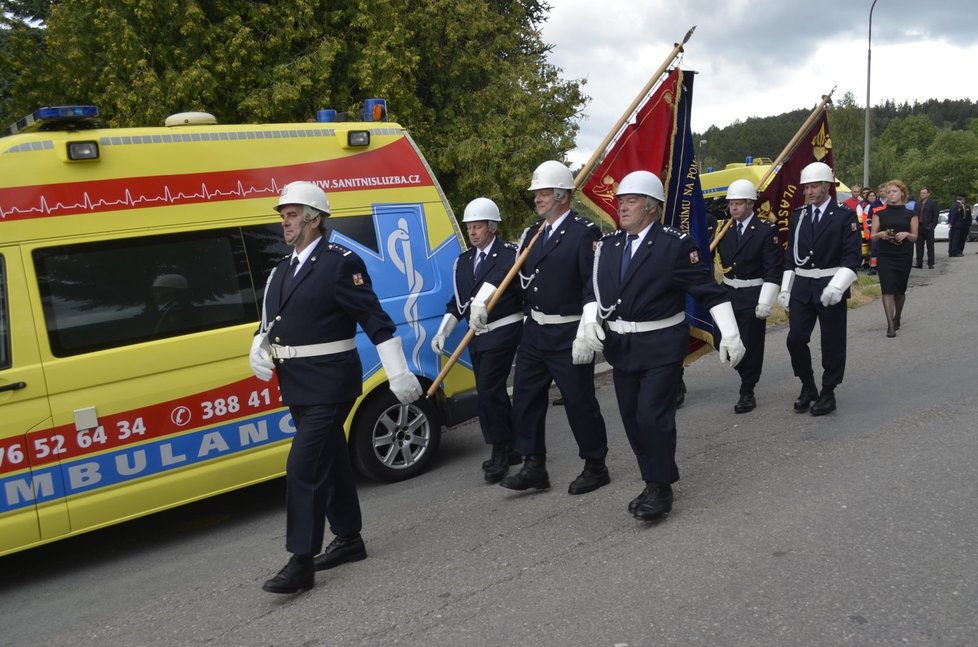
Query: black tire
(393,441)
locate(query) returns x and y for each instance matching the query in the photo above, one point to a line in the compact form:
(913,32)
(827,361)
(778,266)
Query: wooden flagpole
(788,150)
(583,174)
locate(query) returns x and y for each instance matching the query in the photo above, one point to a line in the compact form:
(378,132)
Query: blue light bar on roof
(65,116)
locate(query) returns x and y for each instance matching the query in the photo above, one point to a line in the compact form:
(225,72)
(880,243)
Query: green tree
(468,78)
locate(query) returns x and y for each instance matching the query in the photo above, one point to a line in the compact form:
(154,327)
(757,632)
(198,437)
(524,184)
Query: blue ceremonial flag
(685,210)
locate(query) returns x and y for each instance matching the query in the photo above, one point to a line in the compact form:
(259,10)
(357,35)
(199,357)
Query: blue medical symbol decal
(412,281)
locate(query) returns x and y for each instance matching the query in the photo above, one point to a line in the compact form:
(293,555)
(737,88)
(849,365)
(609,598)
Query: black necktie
(626,256)
(815,214)
(546,234)
(478,263)
(289,275)
(740,230)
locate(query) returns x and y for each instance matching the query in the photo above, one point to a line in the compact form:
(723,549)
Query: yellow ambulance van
(132,268)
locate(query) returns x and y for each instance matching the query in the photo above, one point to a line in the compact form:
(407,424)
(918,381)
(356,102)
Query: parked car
(942,229)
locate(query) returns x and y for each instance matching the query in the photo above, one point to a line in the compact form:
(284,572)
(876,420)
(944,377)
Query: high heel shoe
(890,332)
(896,323)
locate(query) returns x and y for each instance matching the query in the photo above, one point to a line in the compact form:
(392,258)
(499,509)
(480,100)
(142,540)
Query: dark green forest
(932,142)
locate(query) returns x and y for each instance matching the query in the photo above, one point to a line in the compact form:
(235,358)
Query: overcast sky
(762,57)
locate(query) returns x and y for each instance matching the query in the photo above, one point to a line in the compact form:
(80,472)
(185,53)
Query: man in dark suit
(820,265)
(752,260)
(478,272)
(314,300)
(645,271)
(927,214)
(557,281)
(959,223)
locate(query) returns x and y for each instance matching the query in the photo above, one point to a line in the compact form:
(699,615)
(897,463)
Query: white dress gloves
(787,280)
(593,330)
(403,383)
(841,280)
(731,348)
(261,358)
(769,291)
(478,313)
(448,323)
(581,351)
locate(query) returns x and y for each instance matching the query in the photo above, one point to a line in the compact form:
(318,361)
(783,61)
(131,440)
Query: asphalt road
(857,528)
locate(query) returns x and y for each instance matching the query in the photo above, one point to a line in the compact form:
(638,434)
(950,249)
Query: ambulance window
(4,318)
(119,292)
(265,249)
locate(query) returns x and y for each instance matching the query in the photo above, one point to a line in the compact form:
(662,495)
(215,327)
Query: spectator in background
(855,198)
(870,206)
(959,221)
(895,227)
(927,215)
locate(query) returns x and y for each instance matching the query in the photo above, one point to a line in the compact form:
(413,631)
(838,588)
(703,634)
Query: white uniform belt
(816,273)
(627,327)
(546,320)
(499,323)
(313,350)
(742,283)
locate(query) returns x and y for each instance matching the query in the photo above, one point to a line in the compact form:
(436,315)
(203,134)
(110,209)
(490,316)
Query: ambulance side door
(23,408)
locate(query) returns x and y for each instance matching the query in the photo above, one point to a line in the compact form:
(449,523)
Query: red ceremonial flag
(645,143)
(783,193)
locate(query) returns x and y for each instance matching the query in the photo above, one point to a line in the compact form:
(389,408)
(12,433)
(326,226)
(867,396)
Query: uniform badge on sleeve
(358,279)
(694,257)
(777,241)
(854,226)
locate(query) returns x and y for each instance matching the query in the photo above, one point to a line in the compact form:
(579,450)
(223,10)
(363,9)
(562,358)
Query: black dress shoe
(594,476)
(655,502)
(919,266)
(295,576)
(745,403)
(498,464)
(341,551)
(825,403)
(808,394)
(633,504)
(532,475)
(513,457)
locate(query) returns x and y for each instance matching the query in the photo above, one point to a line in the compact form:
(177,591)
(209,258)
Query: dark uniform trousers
(560,282)
(330,294)
(756,254)
(492,352)
(666,267)
(834,242)
(319,478)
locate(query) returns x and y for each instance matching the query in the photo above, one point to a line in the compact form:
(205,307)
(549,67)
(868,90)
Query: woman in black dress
(895,227)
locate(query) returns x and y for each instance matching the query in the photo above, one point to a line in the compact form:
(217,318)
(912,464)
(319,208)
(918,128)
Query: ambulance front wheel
(394,441)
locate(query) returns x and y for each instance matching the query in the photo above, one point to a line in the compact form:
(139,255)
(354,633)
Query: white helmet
(817,172)
(741,190)
(305,193)
(552,175)
(481,209)
(641,183)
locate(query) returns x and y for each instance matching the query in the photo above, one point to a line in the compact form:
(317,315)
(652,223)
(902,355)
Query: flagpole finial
(687,36)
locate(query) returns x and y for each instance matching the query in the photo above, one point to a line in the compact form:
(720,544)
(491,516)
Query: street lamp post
(869,65)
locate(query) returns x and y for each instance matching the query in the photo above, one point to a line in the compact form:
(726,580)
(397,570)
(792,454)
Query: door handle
(13,386)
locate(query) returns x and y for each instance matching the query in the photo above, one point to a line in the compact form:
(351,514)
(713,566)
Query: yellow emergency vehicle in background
(132,268)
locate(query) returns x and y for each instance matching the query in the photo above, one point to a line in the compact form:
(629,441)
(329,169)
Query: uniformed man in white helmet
(820,264)
(752,260)
(478,272)
(313,301)
(638,318)
(557,278)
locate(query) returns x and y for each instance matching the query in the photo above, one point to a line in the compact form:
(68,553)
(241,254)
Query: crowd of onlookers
(959,216)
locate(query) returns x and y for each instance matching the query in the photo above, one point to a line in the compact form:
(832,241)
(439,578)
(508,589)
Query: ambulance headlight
(83,150)
(356,138)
